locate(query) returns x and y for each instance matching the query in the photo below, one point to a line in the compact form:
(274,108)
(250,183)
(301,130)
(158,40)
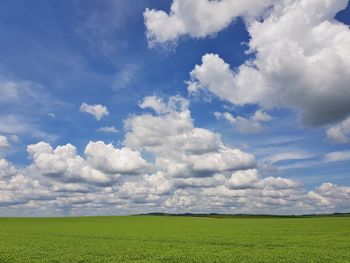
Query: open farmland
(175,239)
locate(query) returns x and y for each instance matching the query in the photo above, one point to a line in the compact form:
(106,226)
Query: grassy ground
(175,239)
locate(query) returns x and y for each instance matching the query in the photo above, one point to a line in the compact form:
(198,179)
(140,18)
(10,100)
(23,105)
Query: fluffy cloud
(180,149)
(302,62)
(147,188)
(155,103)
(250,125)
(243,179)
(340,133)
(63,164)
(17,189)
(110,160)
(330,195)
(102,166)
(170,133)
(6,169)
(197,18)
(97,110)
(181,199)
(200,182)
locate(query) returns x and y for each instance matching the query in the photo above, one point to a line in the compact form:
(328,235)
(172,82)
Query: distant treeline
(215,215)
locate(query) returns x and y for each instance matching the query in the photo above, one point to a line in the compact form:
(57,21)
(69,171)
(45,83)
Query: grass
(175,239)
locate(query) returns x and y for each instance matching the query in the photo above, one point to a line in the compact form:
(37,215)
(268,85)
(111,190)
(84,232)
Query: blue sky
(57,55)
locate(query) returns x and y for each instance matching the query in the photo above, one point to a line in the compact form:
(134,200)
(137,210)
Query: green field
(175,239)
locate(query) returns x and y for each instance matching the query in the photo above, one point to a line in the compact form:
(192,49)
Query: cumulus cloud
(110,160)
(103,163)
(302,62)
(17,189)
(246,125)
(243,179)
(6,169)
(181,199)
(155,103)
(181,149)
(200,182)
(97,110)
(340,133)
(196,18)
(331,195)
(147,188)
(63,164)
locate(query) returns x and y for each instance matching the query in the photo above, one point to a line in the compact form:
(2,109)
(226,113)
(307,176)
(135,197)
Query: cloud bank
(166,164)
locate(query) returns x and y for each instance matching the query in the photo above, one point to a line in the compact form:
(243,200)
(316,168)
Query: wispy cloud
(110,129)
(337,156)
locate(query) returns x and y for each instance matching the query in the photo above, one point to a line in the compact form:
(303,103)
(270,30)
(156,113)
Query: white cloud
(6,169)
(278,183)
(155,103)
(197,18)
(337,156)
(110,129)
(110,160)
(180,149)
(246,125)
(149,188)
(332,196)
(200,182)
(243,179)
(225,159)
(70,187)
(63,164)
(102,166)
(97,110)
(340,133)
(180,199)
(302,61)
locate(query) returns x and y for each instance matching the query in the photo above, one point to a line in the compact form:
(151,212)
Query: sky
(119,107)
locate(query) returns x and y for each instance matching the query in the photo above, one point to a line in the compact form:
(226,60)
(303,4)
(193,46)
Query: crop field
(175,239)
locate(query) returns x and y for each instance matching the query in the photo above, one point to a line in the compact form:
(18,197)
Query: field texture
(175,239)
